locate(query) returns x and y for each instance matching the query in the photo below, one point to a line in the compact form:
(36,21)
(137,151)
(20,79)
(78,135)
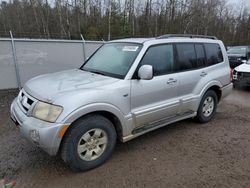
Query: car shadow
(242,88)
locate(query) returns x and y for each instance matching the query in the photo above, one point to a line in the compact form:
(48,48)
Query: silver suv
(125,89)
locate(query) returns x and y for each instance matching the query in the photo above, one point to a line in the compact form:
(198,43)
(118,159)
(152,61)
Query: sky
(236,5)
(238,2)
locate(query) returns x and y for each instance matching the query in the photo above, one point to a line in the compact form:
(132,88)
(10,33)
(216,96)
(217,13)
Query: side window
(161,58)
(201,56)
(214,54)
(186,56)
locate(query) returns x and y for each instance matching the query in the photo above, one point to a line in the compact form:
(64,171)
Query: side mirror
(145,72)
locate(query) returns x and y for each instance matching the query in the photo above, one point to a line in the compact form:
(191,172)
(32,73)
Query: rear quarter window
(213,53)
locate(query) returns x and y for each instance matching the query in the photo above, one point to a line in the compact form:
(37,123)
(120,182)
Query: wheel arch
(201,117)
(110,116)
(106,110)
(215,86)
(217,90)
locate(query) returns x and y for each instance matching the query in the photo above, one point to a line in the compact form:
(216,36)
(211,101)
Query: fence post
(83,45)
(15,61)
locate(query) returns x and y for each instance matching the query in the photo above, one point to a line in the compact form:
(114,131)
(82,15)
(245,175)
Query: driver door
(156,99)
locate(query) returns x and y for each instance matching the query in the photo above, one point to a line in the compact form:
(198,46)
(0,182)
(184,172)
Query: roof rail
(186,36)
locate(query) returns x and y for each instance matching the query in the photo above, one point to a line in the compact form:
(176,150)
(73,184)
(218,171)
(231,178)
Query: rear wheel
(208,106)
(89,143)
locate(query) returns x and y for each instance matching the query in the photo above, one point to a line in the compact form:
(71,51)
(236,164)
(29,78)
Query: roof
(168,36)
(133,40)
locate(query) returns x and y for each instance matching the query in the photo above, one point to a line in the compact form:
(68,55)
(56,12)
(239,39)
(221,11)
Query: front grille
(25,101)
(245,75)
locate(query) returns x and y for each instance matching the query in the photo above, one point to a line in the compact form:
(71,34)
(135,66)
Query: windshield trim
(107,73)
(94,71)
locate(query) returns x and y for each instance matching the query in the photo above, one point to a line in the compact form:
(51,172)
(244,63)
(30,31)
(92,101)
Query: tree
(124,18)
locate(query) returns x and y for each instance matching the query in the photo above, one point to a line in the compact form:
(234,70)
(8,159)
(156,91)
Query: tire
(207,107)
(90,136)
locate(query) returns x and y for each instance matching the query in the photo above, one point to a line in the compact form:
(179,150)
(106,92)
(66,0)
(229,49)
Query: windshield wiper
(93,71)
(97,72)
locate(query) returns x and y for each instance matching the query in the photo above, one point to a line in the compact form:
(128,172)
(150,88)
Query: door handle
(203,74)
(171,81)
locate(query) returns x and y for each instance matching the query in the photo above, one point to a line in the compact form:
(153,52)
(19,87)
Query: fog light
(34,135)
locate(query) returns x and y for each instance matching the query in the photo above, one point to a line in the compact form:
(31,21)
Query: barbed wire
(73,36)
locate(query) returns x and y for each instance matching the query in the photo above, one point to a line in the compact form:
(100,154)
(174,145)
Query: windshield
(113,59)
(237,50)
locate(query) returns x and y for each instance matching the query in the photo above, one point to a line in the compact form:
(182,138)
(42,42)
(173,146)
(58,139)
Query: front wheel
(89,143)
(208,106)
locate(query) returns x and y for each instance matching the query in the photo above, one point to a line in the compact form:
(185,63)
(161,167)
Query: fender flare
(95,107)
(209,85)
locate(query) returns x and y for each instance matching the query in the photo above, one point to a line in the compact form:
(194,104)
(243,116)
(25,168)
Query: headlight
(47,112)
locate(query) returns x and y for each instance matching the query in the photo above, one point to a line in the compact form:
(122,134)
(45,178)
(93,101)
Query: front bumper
(243,82)
(42,134)
(241,78)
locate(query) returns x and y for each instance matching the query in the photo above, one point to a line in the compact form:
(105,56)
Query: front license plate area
(14,120)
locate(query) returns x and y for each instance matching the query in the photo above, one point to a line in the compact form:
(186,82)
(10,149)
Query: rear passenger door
(198,64)
(191,63)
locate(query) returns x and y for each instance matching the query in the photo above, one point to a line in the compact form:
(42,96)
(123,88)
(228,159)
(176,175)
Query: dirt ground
(185,154)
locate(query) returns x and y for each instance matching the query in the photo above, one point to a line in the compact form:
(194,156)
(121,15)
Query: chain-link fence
(22,59)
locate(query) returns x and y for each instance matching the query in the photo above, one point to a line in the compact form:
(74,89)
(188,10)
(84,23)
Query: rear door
(198,65)
(191,61)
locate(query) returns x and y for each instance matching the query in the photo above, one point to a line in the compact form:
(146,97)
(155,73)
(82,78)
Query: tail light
(231,74)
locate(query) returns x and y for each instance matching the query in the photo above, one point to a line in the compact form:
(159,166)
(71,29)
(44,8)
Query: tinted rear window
(186,56)
(213,53)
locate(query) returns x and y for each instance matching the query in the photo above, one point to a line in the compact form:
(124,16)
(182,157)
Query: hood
(243,68)
(50,86)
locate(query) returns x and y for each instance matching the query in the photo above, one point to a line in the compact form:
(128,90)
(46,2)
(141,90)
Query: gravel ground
(184,154)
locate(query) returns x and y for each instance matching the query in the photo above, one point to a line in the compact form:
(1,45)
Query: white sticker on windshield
(130,48)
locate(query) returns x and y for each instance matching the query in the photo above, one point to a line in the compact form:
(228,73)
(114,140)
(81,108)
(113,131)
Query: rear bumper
(226,90)
(42,134)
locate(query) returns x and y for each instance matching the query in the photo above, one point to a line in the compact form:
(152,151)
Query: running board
(155,125)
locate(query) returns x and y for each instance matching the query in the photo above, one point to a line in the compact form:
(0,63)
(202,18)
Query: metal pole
(84,50)
(15,61)
(109,20)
